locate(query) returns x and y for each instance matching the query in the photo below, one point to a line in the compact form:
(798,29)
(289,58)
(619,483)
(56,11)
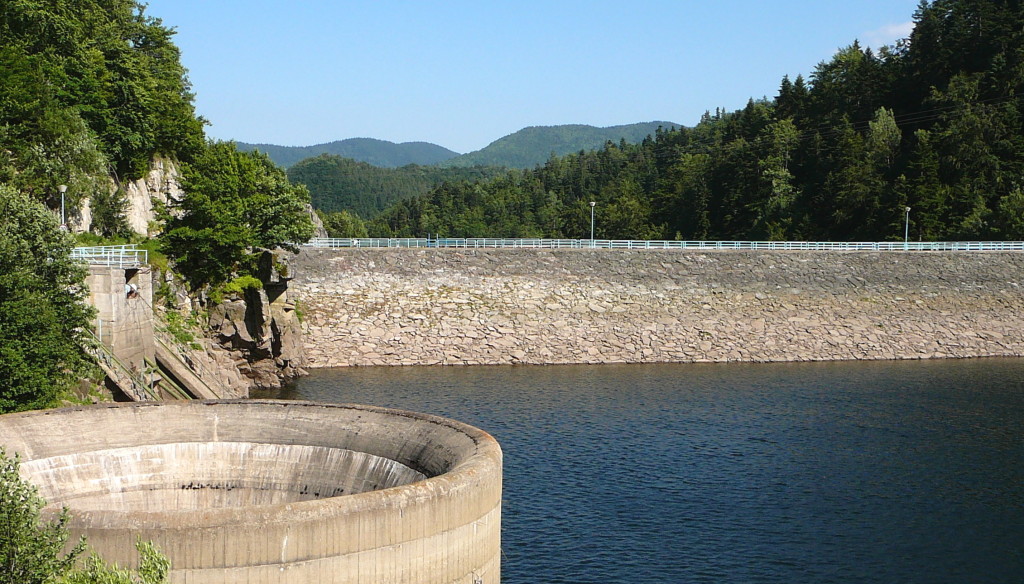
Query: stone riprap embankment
(464,307)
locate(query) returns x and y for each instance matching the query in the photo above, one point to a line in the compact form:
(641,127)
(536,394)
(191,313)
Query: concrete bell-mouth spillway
(260,491)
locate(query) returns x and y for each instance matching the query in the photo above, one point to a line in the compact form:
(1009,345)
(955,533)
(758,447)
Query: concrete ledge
(245,491)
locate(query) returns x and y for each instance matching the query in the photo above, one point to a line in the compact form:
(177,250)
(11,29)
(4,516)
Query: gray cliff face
(256,339)
(161,185)
(318,226)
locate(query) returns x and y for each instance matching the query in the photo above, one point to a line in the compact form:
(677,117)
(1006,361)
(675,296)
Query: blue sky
(465,73)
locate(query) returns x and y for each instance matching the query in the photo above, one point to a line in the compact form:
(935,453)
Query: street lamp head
(62,189)
(592,203)
(908,209)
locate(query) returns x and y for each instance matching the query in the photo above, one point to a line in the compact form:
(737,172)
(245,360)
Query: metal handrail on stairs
(133,384)
(172,386)
(173,345)
(197,368)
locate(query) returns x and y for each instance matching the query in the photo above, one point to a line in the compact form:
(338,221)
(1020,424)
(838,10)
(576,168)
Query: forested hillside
(362,187)
(88,89)
(342,184)
(933,123)
(534,145)
(376,152)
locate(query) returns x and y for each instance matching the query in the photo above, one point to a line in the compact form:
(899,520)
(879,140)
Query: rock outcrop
(160,185)
(262,328)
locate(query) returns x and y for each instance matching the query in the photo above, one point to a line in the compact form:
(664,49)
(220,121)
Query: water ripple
(826,472)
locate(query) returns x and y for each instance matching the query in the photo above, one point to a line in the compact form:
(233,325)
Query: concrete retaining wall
(273,492)
(446,306)
(124,321)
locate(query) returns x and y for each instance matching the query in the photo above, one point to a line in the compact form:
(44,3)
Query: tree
(110,65)
(31,550)
(43,314)
(235,203)
(774,208)
(44,143)
(926,195)
(1011,215)
(343,224)
(108,213)
(153,568)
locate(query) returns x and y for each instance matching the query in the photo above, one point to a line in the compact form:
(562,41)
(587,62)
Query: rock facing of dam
(507,306)
(265,492)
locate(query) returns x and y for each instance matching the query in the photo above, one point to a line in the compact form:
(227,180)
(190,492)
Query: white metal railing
(119,256)
(450,242)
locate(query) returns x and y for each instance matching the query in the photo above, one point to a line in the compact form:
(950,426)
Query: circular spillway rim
(484,460)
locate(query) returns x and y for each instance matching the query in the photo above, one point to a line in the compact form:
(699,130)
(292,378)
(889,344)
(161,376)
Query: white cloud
(887,35)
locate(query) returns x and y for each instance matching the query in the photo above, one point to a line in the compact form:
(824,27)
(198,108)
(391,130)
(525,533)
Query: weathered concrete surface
(273,492)
(445,306)
(124,319)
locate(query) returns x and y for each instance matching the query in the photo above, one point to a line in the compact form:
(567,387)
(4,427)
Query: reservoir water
(880,472)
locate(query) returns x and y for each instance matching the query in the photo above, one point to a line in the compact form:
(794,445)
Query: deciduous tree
(43,314)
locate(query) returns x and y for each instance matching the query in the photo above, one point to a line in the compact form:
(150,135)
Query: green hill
(341,184)
(534,145)
(376,152)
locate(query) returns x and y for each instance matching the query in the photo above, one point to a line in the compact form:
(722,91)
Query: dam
(396,306)
(269,492)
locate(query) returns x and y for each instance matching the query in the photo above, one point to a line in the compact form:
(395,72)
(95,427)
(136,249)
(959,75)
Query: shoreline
(599,363)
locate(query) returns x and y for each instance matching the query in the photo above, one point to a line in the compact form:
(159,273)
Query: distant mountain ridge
(523,149)
(534,145)
(379,153)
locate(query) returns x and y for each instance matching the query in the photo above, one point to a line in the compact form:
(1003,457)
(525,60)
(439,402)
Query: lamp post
(63,218)
(592,204)
(906,230)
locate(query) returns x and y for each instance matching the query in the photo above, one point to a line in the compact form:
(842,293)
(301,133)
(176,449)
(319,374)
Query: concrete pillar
(124,303)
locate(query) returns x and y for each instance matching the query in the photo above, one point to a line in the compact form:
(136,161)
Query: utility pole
(906,231)
(63,218)
(592,204)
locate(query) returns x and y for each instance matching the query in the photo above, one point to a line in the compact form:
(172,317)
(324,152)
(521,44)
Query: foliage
(31,550)
(91,89)
(379,153)
(236,287)
(935,124)
(101,62)
(341,184)
(343,224)
(153,569)
(181,328)
(43,315)
(156,258)
(235,203)
(108,213)
(45,142)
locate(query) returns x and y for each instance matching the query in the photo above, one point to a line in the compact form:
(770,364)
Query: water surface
(817,472)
